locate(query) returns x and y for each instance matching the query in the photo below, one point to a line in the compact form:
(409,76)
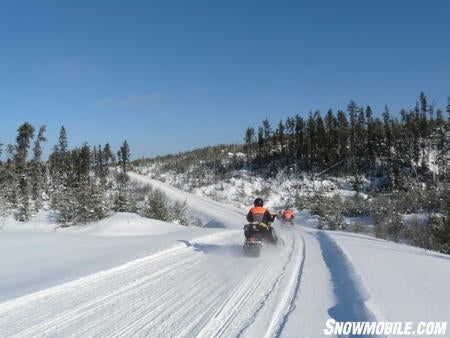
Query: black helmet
(258,202)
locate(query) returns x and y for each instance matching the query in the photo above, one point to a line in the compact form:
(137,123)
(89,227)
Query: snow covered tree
(299,133)
(281,139)
(25,134)
(64,202)
(123,201)
(379,212)
(38,170)
(91,202)
(108,154)
(59,162)
(441,231)
(395,224)
(157,206)
(178,215)
(123,156)
(249,140)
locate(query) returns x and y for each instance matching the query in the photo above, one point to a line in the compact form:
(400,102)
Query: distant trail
(220,214)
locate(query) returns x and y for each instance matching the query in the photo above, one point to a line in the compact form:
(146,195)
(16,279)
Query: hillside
(418,214)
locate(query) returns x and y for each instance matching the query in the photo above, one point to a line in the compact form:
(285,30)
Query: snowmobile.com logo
(385,328)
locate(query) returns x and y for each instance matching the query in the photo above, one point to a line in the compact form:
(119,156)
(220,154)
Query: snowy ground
(128,276)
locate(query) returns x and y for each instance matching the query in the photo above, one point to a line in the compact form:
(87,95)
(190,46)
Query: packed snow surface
(127,276)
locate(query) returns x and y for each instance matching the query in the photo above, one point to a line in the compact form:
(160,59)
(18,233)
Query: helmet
(258,202)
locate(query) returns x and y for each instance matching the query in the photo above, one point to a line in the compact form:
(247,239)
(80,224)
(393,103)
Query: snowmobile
(286,218)
(256,234)
(287,222)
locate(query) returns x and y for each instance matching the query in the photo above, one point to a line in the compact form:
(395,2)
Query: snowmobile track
(277,302)
(180,290)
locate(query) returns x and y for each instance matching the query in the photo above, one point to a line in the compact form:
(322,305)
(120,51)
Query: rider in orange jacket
(260,215)
(288,214)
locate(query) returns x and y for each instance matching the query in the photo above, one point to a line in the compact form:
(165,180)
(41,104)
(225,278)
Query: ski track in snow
(203,288)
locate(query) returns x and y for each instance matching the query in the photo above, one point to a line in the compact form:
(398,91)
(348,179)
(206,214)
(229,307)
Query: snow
(419,278)
(130,276)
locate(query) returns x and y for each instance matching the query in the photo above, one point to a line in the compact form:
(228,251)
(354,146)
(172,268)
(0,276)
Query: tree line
(80,185)
(356,142)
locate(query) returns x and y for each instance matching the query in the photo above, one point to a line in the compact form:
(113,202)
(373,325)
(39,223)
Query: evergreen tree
(310,142)
(342,135)
(320,150)
(441,232)
(249,141)
(179,213)
(267,130)
(260,145)
(123,156)
(423,103)
(299,137)
(371,138)
(38,170)
(290,139)
(92,203)
(281,139)
(352,109)
(59,162)
(123,201)
(25,134)
(332,140)
(108,154)
(157,206)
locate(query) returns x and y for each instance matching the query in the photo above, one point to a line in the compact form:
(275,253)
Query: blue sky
(171,75)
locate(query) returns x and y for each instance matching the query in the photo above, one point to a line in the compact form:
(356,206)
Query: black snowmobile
(255,235)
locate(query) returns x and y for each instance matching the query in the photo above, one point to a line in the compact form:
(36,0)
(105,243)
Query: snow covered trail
(202,288)
(213,214)
(196,282)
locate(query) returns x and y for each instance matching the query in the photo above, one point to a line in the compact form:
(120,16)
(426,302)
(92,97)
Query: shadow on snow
(234,250)
(348,288)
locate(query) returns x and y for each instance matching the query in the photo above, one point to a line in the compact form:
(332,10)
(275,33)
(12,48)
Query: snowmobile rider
(288,214)
(259,214)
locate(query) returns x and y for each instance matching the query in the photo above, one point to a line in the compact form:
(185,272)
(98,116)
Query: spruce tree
(331,138)
(123,156)
(108,154)
(267,130)
(59,162)
(299,137)
(38,170)
(280,135)
(157,206)
(310,143)
(249,141)
(260,146)
(179,213)
(320,149)
(25,134)
(290,139)
(123,201)
(343,136)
